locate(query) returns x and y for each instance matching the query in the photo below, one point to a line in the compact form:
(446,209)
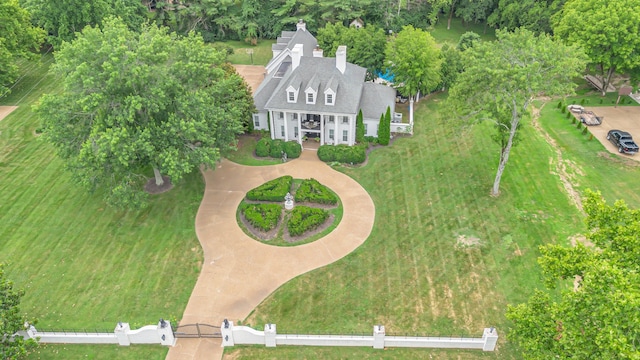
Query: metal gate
(197,331)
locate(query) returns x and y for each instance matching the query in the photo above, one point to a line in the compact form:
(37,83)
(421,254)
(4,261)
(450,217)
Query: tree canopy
(18,39)
(532,15)
(139,101)
(365,46)
(608,31)
(596,314)
(11,321)
(414,59)
(502,77)
(63,19)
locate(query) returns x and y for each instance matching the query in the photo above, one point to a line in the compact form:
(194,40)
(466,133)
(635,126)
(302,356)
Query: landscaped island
(268,213)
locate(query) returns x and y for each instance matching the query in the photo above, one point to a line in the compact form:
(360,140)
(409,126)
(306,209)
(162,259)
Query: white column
(122,333)
(490,337)
(226,329)
(300,128)
(351,131)
(378,337)
(286,126)
(272,124)
(322,119)
(166,333)
(335,131)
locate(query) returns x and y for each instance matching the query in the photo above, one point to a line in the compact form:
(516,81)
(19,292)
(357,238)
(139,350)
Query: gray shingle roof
(320,70)
(375,100)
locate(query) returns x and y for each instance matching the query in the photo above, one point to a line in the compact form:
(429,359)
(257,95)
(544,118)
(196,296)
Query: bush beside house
(267,147)
(343,153)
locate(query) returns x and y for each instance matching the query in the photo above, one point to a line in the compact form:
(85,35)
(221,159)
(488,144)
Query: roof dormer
(311,91)
(292,94)
(330,91)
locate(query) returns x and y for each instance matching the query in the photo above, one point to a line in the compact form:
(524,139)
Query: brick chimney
(296,54)
(317,52)
(341,58)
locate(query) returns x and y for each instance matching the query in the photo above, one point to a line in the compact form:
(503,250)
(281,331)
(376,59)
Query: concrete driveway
(239,272)
(626,118)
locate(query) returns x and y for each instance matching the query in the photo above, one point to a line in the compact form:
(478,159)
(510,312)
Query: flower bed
(311,190)
(304,218)
(274,190)
(263,216)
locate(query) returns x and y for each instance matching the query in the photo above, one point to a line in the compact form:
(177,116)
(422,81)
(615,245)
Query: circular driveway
(239,272)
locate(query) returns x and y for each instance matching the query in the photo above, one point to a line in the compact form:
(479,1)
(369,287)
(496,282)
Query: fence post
(378,337)
(226,329)
(166,333)
(490,337)
(122,333)
(270,335)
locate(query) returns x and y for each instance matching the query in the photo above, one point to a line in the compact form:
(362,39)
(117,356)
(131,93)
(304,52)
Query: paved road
(239,272)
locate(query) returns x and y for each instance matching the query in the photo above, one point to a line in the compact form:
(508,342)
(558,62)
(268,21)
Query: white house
(307,95)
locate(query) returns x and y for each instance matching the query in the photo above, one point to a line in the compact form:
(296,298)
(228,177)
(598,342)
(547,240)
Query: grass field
(452,35)
(261,53)
(82,264)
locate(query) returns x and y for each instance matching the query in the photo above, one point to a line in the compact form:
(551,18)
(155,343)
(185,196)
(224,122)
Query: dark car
(623,141)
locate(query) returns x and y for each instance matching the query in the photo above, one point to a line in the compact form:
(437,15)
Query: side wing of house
(374,102)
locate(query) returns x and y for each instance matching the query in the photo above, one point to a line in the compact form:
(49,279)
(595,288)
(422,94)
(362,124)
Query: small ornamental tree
(384,130)
(359,128)
(11,321)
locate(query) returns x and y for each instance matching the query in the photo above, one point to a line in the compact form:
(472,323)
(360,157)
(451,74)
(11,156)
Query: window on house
(310,98)
(256,120)
(281,115)
(332,118)
(345,135)
(292,96)
(331,134)
(295,132)
(365,129)
(329,99)
(282,130)
(345,119)
(295,116)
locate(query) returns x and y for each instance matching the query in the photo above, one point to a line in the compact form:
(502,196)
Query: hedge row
(312,191)
(274,190)
(342,153)
(274,148)
(304,218)
(263,216)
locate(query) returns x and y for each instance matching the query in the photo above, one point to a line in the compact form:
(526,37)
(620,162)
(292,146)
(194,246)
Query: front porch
(329,129)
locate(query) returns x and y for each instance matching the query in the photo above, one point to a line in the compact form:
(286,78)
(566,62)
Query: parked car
(623,141)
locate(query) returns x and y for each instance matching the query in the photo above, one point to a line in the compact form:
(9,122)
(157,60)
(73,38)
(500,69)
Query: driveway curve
(239,272)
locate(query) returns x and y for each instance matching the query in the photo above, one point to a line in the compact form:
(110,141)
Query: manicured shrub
(359,128)
(275,151)
(384,129)
(573,120)
(274,190)
(371,139)
(563,110)
(263,147)
(585,131)
(293,149)
(560,104)
(569,115)
(343,153)
(263,216)
(312,191)
(303,219)
(579,126)
(581,101)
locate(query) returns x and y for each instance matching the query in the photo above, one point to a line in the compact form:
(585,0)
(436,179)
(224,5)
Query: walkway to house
(239,272)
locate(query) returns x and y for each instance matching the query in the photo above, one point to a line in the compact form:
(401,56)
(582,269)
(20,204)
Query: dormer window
(311,97)
(292,94)
(329,99)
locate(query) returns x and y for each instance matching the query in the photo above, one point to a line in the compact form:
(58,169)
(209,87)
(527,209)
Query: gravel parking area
(626,118)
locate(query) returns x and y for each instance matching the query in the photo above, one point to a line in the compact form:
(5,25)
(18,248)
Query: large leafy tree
(365,46)
(64,18)
(533,15)
(502,78)
(134,101)
(11,321)
(414,59)
(18,39)
(596,314)
(608,31)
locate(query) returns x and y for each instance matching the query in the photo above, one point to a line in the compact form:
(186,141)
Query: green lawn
(83,264)
(410,275)
(245,154)
(452,35)
(261,53)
